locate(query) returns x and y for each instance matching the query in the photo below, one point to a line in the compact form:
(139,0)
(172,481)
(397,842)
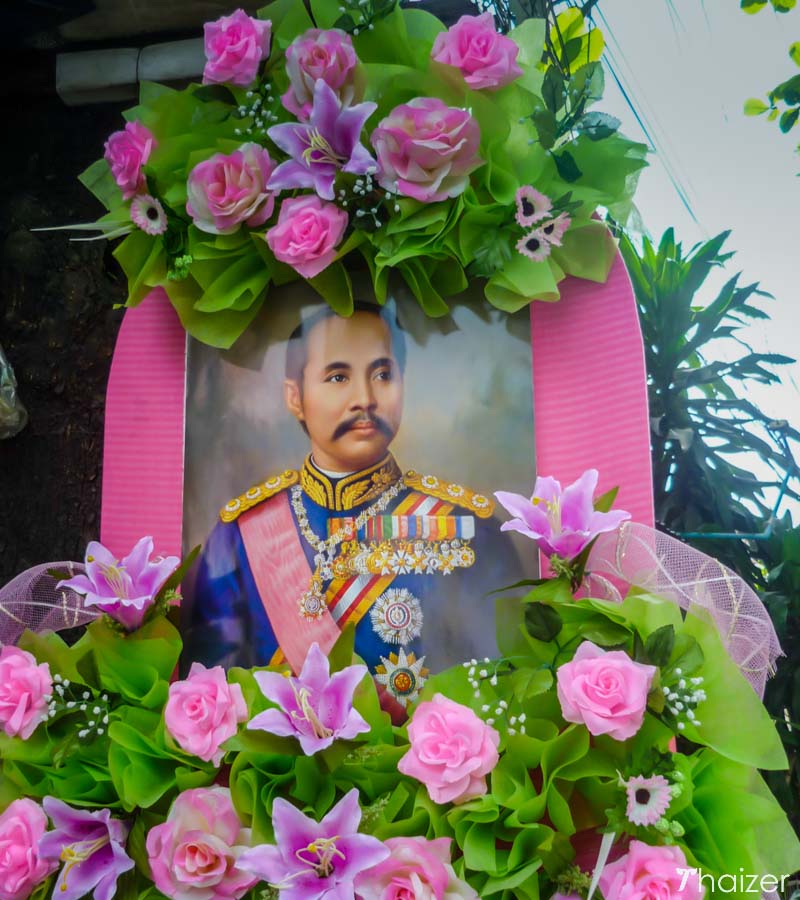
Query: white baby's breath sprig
(682,696)
(88,710)
(482,677)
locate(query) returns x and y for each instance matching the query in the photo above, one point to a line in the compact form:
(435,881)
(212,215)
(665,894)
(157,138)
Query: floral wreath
(367,135)
(602,754)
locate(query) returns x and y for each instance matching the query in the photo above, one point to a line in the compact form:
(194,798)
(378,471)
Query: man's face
(352,393)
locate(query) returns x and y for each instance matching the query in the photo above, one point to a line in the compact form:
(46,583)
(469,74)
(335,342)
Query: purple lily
(316,708)
(319,148)
(564,522)
(314,860)
(91,844)
(124,589)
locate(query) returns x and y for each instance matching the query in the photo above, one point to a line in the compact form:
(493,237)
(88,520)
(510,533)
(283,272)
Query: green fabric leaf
(325,12)
(417,278)
(99,180)
(143,261)
(521,281)
(334,286)
(220,329)
(542,621)
(288,18)
(143,767)
(734,823)
(422,28)
(48,647)
(727,689)
(137,666)
(237,286)
(386,43)
(529,36)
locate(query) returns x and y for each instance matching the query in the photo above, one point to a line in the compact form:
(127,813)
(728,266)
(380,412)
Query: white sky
(688,66)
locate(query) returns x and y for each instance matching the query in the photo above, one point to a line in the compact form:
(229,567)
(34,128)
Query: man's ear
(293,398)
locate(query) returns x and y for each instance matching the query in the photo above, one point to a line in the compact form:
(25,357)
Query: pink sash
(282,575)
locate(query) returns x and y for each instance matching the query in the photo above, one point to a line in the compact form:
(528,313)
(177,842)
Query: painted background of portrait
(468,409)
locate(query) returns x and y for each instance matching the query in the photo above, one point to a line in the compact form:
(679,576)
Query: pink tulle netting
(635,555)
(32,601)
(660,564)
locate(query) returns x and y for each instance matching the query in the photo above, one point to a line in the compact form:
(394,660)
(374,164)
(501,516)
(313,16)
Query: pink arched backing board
(590,408)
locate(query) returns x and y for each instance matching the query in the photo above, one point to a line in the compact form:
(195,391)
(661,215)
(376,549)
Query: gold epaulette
(257,493)
(448,490)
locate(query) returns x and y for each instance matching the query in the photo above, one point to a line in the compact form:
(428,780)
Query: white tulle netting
(32,601)
(660,564)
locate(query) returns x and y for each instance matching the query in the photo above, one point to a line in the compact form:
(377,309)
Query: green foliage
(702,423)
(783,101)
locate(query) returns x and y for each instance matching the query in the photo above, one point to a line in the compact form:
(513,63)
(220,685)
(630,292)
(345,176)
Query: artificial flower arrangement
(611,750)
(361,134)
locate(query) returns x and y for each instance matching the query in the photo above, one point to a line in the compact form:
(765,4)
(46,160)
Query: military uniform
(299,556)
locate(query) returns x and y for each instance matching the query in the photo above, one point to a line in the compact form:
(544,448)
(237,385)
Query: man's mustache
(343,427)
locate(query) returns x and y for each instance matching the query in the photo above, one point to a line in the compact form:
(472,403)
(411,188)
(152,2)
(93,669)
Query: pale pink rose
(235,46)
(21,826)
(650,873)
(327,54)
(605,690)
(427,149)
(487,60)
(193,854)
(126,152)
(203,711)
(25,687)
(452,750)
(227,190)
(417,870)
(307,233)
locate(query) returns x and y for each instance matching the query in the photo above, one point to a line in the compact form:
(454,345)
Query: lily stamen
(308,714)
(79,852)
(115,576)
(324,851)
(318,145)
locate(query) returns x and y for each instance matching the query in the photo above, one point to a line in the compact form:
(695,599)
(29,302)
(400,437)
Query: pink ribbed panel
(144,428)
(590,392)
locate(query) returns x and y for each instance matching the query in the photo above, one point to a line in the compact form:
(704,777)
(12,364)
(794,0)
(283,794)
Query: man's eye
(336,378)
(384,375)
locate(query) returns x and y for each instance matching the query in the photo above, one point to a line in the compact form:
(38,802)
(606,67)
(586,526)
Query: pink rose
(451,750)
(126,152)
(193,854)
(650,873)
(328,55)
(486,59)
(307,233)
(427,149)
(25,688)
(235,46)
(202,712)
(21,826)
(605,690)
(416,870)
(225,191)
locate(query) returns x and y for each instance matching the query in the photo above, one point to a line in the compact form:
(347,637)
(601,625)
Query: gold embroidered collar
(352,490)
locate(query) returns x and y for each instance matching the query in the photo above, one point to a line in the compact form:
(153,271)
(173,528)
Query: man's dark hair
(297,347)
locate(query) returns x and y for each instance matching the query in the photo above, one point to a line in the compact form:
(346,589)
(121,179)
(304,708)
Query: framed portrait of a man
(339,472)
